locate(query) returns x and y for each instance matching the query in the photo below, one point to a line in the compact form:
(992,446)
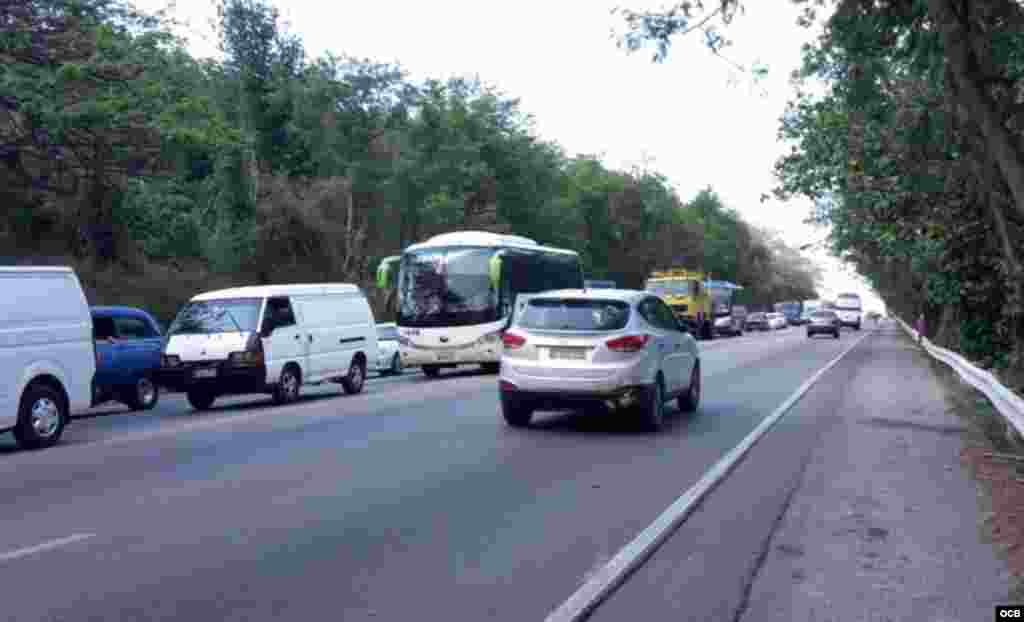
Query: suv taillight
(513,341)
(630,343)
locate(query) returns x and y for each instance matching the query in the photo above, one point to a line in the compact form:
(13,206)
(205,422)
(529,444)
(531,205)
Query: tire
(396,365)
(431,371)
(810,334)
(857,327)
(201,399)
(652,407)
(689,401)
(355,379)
(42,415)
(491,368)
(288,385)
(144,394)
(836,334)
(517,413)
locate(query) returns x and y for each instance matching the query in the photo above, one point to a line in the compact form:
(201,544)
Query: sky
(693,118)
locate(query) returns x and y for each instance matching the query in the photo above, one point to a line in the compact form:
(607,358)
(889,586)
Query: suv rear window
(589,315)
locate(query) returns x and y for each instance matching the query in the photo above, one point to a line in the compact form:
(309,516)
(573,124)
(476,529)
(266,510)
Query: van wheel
(287,389)
(431,371)
(144,395)
(355,378)
(41,418)
(201,399)
(689,401)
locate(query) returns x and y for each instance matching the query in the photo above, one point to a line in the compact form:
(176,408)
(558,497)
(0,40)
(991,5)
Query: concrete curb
(1009,405)
(633,555)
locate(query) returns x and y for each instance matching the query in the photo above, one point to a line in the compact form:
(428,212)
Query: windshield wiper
(221,312)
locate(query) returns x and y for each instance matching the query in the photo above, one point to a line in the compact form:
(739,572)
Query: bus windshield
(451,286)
(446,287)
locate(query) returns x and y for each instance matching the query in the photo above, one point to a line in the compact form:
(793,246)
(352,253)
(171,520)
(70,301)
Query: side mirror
(386,272)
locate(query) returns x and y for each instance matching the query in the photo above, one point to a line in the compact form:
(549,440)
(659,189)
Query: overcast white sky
(688,115)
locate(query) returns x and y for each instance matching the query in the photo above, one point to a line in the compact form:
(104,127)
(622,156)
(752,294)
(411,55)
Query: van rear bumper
(229,379)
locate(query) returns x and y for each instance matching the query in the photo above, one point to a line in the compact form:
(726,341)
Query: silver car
(388,360)
(623,348)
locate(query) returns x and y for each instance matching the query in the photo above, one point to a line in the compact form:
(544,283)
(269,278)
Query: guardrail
(1009,405)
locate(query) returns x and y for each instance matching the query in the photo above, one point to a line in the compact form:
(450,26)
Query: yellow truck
(685,293)
(705,306)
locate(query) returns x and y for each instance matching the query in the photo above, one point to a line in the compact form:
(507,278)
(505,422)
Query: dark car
(128,344)
(756,321)
(823,322)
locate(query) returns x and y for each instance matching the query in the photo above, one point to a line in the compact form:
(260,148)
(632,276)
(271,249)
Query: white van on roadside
(269,339)
(47,355)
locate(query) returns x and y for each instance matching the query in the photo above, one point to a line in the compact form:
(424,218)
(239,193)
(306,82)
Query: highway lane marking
(602,583)
(268,412)
(45,546)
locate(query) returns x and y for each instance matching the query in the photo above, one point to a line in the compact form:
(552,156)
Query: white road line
(603,582)
(45,546)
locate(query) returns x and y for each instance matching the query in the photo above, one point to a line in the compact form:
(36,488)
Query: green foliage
(272,165)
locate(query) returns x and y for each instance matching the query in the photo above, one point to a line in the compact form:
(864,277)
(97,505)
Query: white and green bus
(456,293)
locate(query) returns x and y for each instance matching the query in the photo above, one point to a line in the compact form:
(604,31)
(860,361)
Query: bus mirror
(386,272)
(495,271)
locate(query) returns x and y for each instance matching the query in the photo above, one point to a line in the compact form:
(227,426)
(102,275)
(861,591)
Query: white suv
(623,348)
(47,355)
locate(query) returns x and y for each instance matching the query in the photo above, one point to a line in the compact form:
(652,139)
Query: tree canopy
(270,165)
(914,156)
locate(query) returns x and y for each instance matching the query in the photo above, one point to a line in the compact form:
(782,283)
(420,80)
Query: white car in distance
(777,321)
(622,348)
(389,359)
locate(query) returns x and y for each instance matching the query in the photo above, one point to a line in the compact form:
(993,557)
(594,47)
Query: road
(410,499)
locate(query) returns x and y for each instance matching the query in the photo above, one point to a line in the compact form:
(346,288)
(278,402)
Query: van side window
(279,313)
(129,327)
(103,328)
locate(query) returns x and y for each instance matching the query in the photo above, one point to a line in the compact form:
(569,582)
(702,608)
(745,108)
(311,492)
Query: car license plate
(445,356)
(205,373)
(568,354)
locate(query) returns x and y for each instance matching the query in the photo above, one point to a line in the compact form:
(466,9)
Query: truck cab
(685,293)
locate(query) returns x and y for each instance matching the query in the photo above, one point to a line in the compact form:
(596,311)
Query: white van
(848,306)
(269,339)
(47,355)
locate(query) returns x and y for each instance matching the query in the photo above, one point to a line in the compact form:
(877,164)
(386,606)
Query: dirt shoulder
(997,464)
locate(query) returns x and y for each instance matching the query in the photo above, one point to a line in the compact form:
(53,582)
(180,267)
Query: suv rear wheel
(689,401)
(517,412)
(652,407)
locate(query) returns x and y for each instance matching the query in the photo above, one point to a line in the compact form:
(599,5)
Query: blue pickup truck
(128,345)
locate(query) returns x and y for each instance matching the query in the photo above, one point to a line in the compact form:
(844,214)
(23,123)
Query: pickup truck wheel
(201,399)
(41,418)
(144,395)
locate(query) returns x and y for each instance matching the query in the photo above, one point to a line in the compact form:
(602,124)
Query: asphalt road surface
(411,500)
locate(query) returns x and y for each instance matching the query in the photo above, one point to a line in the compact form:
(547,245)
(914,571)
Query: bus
(848,306)
(456,292)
